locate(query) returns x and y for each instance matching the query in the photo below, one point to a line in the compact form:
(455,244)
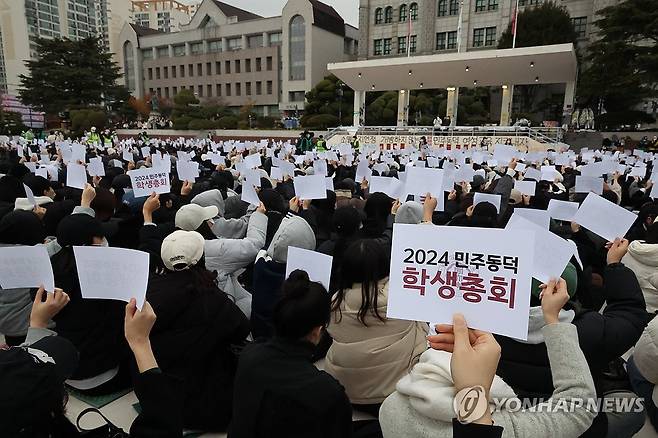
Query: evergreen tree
(68,74)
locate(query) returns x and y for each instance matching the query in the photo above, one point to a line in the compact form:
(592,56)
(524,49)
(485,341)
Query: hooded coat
(94,326)
(642,259)
(192,339)
(270,271)
(228,257)
(226,228)
(422,405)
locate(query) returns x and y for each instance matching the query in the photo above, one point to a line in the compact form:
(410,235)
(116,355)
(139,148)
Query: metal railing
(540,134)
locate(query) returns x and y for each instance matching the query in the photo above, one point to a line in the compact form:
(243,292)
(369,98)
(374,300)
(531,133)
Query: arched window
(403,12)
(297,48)
(129,65)
(388,14)
(379,16)
(413,11)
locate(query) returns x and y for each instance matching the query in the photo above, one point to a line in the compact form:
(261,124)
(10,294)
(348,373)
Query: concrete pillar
(171,51)
(266,110)
(266,39)
(506,105)
(188,49)
(453,104)
(204,44)
(224,44)
(244,42)
(359,108)
(403,108)
(569,96)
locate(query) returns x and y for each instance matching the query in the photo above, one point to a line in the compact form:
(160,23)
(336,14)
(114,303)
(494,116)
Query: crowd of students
(227,342)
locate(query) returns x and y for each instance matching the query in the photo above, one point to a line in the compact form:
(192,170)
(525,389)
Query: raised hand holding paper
(26,267)
(315,264)
(112,273)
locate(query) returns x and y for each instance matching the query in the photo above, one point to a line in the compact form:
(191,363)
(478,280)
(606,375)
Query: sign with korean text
(485,274)
(148,180)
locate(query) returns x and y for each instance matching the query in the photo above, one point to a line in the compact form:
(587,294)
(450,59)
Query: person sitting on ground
(370,352)
(423,403)
(278,391)
(33,400)
(226,256)
(198,329)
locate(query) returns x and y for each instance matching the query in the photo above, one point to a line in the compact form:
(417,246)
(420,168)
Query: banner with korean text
(485,274)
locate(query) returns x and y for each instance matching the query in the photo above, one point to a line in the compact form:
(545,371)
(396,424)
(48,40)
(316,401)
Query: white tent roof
(552,64)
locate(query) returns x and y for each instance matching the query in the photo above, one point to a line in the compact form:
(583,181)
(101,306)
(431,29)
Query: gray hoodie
(293,231)
(226,228)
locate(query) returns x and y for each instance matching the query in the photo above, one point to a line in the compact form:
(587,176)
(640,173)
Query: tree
(541,25)
(11,123)
(82,120)
(68,74)
(325,99)
(622,66)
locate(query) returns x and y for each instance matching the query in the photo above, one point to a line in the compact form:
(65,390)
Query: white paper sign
(187,170)
(275,174)
(437,271)
(29,195)
(539,217)
(562,210)
(485,197)
(586,184)
(310,187)
(604,218)
(95,167)
(315,264)
(76,176)
(112,273)
(148,180)
(421,181)
(249,194)
(552,253)
(26,267)
(526,187)
(252,161)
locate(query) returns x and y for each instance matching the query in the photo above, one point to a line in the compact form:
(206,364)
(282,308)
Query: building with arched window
(238,57)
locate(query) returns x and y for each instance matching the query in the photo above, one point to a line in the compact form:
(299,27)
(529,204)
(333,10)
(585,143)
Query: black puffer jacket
(196,330)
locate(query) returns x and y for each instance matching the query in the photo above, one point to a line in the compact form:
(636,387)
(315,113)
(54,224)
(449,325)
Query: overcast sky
(348,9)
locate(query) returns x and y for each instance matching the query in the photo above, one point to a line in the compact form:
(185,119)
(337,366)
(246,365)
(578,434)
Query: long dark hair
(302,306)
(366,262)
